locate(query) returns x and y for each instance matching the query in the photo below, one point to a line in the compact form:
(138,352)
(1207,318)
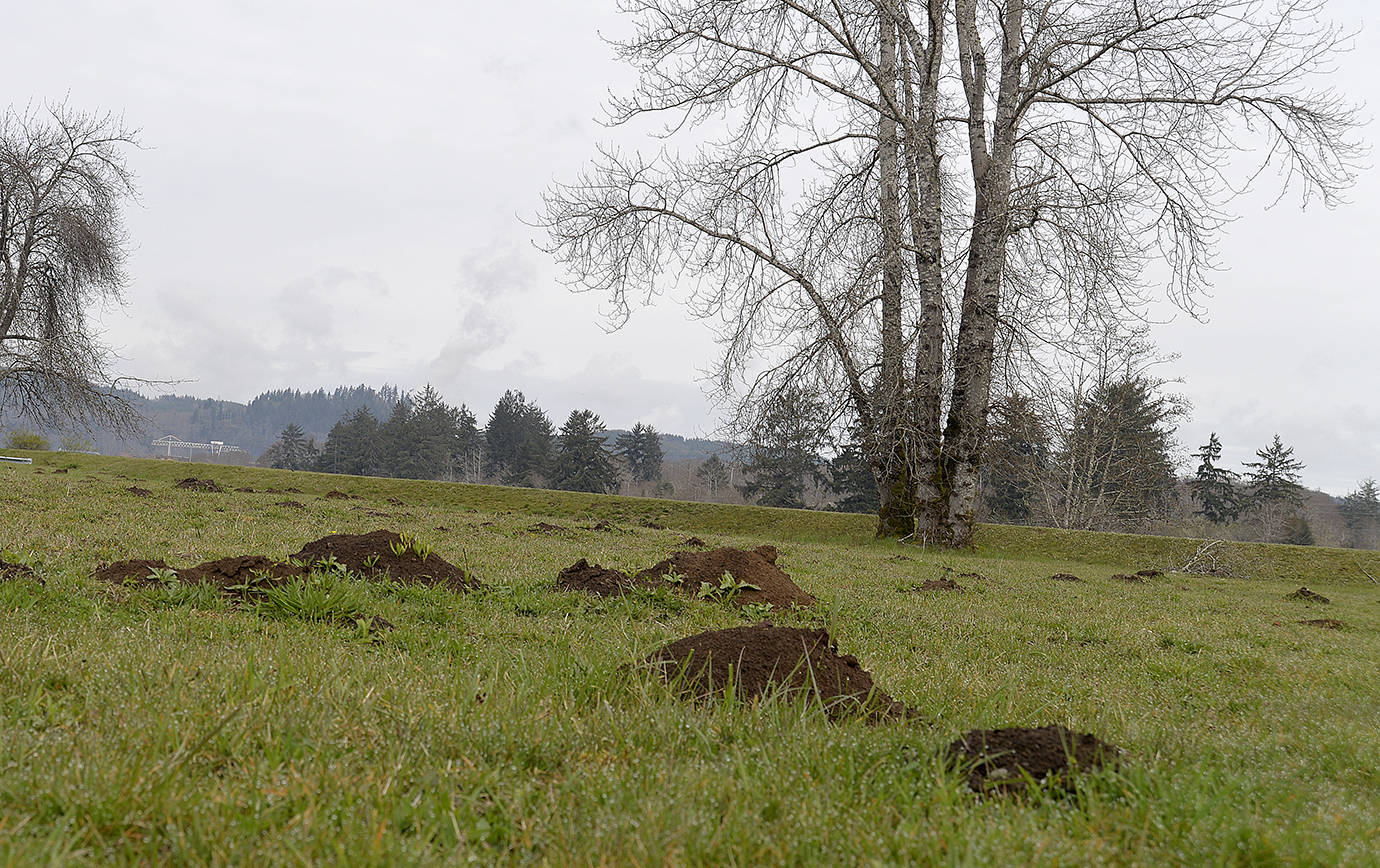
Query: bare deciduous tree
(884,196)
(63,182)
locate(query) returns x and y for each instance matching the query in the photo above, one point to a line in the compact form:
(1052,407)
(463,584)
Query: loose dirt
(366,553)
(543,528)
(757,567)
(291,504)
(942,584)
(1065,577)
(131,571)
(337,495)
(695,542)
(191,483)
(17,571)
(765,658)
(999,759)
(597,579)
(1325,623)
(1307,596)
(139,492)
(1150,574)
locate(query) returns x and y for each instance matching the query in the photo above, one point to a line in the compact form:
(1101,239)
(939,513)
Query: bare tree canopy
(63,182)
(878,199)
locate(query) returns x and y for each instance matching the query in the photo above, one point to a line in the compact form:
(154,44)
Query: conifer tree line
(423,437)
(1100,454)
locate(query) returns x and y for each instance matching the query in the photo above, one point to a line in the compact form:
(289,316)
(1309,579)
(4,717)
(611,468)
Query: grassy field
(501,727)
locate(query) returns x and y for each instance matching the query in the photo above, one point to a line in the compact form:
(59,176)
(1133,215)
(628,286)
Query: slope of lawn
(503,726)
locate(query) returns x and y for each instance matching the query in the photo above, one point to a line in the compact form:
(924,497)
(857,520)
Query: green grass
(173,725)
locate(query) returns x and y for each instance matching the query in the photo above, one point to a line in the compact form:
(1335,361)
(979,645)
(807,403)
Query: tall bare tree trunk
(896,487)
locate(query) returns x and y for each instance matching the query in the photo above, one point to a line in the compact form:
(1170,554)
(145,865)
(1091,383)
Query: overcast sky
(333,192)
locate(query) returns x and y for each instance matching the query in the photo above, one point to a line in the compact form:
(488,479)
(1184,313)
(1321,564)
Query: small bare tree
(63,182)
(883,196)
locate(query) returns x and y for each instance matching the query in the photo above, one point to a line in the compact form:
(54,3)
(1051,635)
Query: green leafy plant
(371,563)
(318,597)
(758,611)
(407,542)
(728,588)
(163,575)
(673,577)
(256,582)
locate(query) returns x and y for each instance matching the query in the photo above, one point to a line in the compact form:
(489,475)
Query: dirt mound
(17,571)
(291,504)
(131,571)
(1065,577)
(942,584)
(547,529)
(763,658)
(373,552)
(1325,623)
(240,570)
(999,759)
(191,483)
(1122,577)
(139,492)
(602,525)
(337,495)
(1307,596)
(1150,574)
(596,579)
(757,568)
(694,542)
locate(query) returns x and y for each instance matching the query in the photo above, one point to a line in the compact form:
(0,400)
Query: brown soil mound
(355,549)
(17,571)
(191,483)
(999,759)
(596,579)
(654,525)
(1122,577)
(132,571)
(763,658)
(1325,623)
(226,573)
(546,528)
(396,501)
(942,584)
(1150,574)
(757,567)
(1307,596)
(1065,577)
(336,495)
(603,525)
(694,542)
(291,504)
(139,492)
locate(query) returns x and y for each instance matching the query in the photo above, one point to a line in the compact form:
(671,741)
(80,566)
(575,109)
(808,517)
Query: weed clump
(742,576)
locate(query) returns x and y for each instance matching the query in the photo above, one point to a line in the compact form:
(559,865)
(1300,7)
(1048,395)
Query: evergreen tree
(291,451)
(1297,531)
(353,447)
(1017,461)
(641,449)
(1360,510)
(395,442)
(581,462)
(783,453)
(850,476)
(1215,488)
(1275,492)
(713,474)
(517,441)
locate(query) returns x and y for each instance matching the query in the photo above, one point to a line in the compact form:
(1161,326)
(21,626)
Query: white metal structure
(215,447)
(16,460)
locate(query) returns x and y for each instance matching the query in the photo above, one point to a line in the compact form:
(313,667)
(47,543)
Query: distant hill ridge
(255,425)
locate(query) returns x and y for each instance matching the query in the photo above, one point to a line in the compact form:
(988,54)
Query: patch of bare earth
(1001,760)
(1307,596)
(377,552)
(191,483)
(756,568)
(17,571)
(765,658)
(1324,623)
(1065,577)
